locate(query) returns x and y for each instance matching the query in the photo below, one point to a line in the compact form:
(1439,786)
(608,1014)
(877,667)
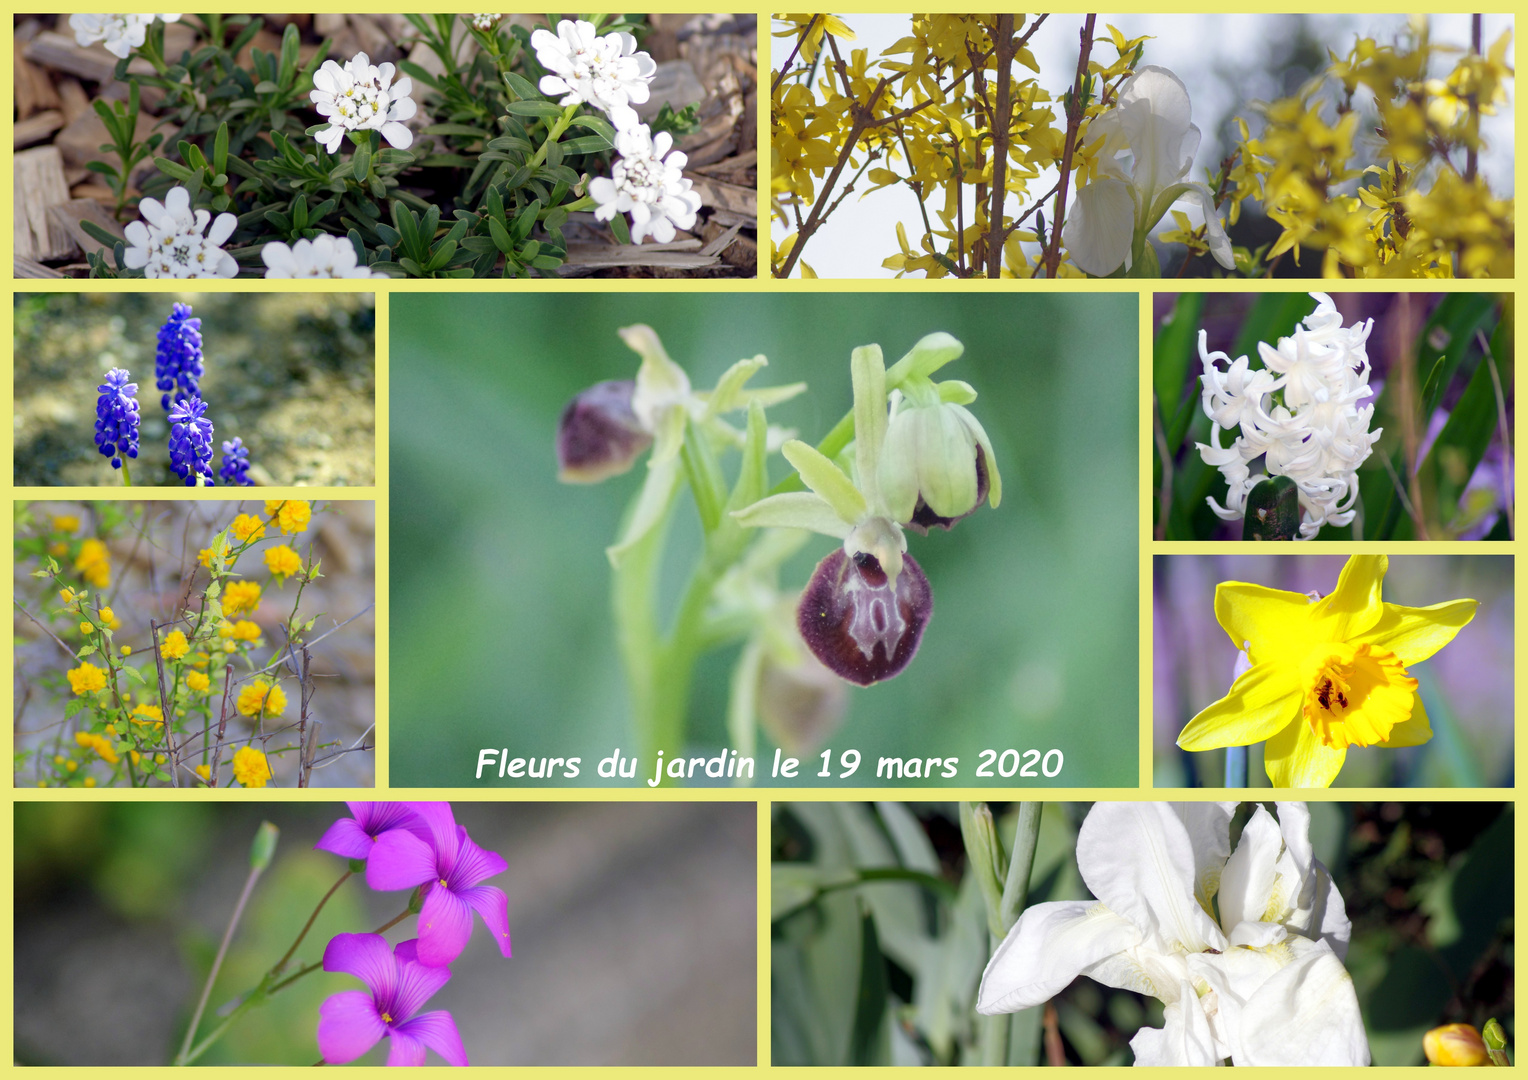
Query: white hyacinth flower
(169,241)
(322,257)
(1300,413)
(121,33)
(1262,984)
(647,182)
(1108,223)
(362,97)
(606,72)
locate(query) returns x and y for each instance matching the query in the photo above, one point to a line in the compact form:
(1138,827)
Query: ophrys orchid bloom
(925,462)
(1324,675)
(1262,984)
(1109,223)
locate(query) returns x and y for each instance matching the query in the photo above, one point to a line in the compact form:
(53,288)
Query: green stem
(217,963)
(1026,835)
(556,133)
(127,477)
(282,963)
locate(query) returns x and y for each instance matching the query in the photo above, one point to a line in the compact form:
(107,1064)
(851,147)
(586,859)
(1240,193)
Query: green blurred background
(500,587)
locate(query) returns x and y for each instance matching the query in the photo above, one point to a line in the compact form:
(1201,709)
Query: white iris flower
(1261,984)
(1149,130)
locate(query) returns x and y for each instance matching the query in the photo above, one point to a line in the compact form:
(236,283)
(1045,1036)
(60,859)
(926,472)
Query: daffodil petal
(1414,634)
(1296,758)
(1413,731)
(1354,607)
(1265,700)
(1275,621)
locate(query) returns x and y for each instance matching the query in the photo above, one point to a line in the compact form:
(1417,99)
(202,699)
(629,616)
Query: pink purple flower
(450,866)
(352,1022)
(354,836)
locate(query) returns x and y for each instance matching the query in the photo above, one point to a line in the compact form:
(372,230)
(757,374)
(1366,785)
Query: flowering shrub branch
(149,716)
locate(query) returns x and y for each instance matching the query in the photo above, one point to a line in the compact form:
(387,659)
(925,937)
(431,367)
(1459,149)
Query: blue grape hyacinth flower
(235,468)
(178,364)
(116,429)
(191,442)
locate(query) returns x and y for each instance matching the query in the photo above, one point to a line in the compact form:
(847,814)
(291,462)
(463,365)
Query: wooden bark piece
(36,128)
(38,179)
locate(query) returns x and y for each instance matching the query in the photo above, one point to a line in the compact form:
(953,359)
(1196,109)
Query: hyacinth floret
(1300,413)
(191,442)
(178,365)
(235,467)
(116,429)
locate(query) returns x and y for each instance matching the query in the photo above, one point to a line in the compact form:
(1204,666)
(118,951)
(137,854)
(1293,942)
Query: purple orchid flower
(354,836)
(450,866)
(352,1022)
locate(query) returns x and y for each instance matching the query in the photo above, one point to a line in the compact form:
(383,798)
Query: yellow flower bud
(90,781)
(1455,1044)
(86,628)
(127,650)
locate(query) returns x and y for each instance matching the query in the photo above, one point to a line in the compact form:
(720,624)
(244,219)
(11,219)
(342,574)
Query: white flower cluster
(362,96)
(169,241)
(1300,412)
(121,33)
(485,22)
(322,257)
(647,181)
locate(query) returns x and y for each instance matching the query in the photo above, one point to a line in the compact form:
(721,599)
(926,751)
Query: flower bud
(935,463)
(599,436)
(1455,1044)
(800,703)
(862,624)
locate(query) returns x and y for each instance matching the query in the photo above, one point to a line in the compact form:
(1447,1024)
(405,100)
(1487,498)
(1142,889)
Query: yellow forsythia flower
(247,527)
(86,678)
(291,514)
(241,597)
(94,563)
(250,768)
(174,645)
(198,681)
(261,693)
(283,562)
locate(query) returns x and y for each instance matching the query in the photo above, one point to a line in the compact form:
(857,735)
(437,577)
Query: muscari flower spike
(178,367)
(235,467)
(116,429)
(865,608)
(191,442)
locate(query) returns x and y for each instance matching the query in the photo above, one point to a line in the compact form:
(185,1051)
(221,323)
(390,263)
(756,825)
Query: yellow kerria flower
(247,527)
(174,645)
(198,681)
(291,514)
(1325,675)
(204,771)
(94,563)
(261,693)
(282,561)
(206,555)
(86,678)
(250,768)
(66,523)
(241,597)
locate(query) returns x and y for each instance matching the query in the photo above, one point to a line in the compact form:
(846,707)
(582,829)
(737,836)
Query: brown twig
(775,85)
(217,746)
(1472,151)
(1001,119)
(1055,1049)
(1051,259)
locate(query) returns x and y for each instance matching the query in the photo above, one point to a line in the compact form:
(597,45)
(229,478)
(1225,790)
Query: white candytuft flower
(362,97)
(121,33)
(322,257)
(1300,412)
(171,244)
(485,22)
(646,182)
(606,72)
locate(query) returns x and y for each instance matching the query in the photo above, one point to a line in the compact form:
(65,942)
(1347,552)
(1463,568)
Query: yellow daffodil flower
(1324,674)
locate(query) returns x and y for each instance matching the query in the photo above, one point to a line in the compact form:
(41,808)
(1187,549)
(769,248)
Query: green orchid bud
(936,464)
